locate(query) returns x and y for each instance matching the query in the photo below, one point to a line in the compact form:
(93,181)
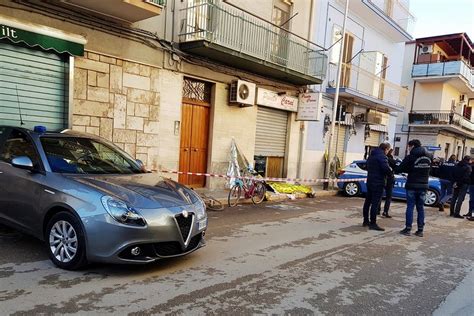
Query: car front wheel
(431,198)
(65,241)
(351,189)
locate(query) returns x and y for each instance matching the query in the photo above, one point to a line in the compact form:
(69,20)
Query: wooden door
(275,167)
(194,143)
(346,60)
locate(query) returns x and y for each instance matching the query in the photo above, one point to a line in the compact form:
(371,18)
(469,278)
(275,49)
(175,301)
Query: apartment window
(396,151)
(280,17)
(347,53)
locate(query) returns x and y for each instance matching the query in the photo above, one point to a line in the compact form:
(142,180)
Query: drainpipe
(411,110)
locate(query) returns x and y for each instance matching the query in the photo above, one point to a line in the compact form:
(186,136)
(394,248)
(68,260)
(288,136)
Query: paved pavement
(300,257)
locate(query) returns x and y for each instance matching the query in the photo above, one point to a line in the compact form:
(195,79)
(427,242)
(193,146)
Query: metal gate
(33,85)
(270,140)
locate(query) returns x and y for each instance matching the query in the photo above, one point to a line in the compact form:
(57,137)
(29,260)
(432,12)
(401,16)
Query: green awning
(39,36)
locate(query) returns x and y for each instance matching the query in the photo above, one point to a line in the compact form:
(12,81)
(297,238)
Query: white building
(370,90)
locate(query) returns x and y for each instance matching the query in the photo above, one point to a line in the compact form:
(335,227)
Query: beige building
(170,83)
(439,72)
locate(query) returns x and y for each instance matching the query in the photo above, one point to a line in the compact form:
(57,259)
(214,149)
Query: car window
(86,156)
(18,144)
(362,165)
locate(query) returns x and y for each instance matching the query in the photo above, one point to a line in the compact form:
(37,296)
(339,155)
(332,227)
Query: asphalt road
(301,258)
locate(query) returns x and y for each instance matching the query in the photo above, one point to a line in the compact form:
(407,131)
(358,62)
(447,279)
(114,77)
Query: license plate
(202,224)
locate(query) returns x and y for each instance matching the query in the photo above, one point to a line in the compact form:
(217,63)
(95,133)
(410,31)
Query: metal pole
(338,84)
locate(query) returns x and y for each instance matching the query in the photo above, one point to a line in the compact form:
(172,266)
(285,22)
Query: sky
(440,17)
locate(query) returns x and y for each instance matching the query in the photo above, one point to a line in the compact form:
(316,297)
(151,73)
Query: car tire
(65,241)
(431,198)
(351,189)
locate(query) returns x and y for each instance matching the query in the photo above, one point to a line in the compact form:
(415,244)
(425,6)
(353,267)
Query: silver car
(91,202)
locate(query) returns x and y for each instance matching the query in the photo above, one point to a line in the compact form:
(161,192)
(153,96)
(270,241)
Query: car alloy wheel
(63,241)
(351,189)
(431,198)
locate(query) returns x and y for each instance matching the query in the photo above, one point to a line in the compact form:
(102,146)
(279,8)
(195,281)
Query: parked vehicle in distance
(358,169)
(91,202)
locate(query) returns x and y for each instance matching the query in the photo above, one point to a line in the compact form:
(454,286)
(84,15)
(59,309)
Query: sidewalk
(222,194)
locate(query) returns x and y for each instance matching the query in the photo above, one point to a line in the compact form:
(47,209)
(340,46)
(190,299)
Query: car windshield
(86,156)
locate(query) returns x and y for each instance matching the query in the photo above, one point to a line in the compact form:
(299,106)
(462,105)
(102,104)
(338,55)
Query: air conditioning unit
(427,49)
(242,93)
(374,117)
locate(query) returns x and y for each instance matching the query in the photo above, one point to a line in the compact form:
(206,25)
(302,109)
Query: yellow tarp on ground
(288,188)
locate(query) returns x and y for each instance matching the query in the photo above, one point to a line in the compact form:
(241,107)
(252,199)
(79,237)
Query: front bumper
(167,234)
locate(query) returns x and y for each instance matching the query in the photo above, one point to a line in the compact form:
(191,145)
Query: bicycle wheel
(259,193)
(213,204)
(234,195)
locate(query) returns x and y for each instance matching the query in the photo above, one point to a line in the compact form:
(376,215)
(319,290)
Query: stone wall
(118,100)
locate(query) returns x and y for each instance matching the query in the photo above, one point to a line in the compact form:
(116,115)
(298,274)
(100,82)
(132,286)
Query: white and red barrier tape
(264,179)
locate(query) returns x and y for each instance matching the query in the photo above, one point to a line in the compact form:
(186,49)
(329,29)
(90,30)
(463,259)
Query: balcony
(367,89)
(125,10)
(244,41)
(451,121)
(382,13)
(443,71)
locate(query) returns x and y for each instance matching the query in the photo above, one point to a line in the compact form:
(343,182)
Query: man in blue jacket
(377,171)
(446,179)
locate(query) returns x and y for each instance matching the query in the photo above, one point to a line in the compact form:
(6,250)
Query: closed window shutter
(373,139)
(271,132)
(40,79)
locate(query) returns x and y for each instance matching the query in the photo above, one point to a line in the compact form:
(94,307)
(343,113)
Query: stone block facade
(118,100)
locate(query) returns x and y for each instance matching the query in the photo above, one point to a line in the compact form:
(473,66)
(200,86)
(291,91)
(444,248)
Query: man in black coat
(417,164)
(462,180)
(377,171)
(445,175)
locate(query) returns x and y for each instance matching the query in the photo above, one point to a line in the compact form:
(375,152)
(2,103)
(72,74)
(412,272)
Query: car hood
(146,191)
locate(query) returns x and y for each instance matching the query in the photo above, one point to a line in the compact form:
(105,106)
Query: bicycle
(253,188)
(211,203)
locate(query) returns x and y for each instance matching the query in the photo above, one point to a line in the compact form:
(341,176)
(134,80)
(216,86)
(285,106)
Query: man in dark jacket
(377,171)
(417,164)
(389,184)
(468,215)
(445,175)
(462,180)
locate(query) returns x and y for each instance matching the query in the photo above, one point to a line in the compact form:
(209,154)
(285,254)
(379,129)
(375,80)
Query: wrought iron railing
(217,23)
(160,3)
(370,84)
(440,118)
(448,68)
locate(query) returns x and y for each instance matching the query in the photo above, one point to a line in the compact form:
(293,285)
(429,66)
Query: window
(396,151)
(19,144)
(281,16)
(362,165)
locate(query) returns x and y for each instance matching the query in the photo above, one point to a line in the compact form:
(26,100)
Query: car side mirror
(22,162)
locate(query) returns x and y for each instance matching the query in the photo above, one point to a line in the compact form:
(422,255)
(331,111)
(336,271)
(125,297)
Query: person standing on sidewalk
(462,180)
(389,185)
(377,171)
(417,164)
(446,170)
(468,215)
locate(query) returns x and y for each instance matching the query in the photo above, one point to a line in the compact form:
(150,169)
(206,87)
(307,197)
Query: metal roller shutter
(373,139)
(271,132)
(39,80)
(340,141)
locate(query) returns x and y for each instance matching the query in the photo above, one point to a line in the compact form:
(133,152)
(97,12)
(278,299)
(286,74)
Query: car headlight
(121,212)
(200,207)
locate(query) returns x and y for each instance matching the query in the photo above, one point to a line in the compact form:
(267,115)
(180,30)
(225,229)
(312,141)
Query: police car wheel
(351,189)
(431,198)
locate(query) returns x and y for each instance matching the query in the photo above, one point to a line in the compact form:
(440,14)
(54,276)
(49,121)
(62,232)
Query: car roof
(63,133)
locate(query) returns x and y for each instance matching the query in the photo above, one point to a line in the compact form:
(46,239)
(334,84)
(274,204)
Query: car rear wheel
(431,198)
(65,240)
(351,189)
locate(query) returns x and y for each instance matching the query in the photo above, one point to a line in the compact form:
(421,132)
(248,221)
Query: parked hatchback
(90,201)
(358,169)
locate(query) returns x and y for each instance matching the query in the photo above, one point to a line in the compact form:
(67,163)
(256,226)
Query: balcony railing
(448,68)
(365,82)
(398,11)
(441,119)
(160,3)
(246,34)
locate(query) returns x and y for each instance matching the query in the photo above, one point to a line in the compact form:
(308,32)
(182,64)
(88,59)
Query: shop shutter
(373,139)
(40,79)
(270,138)
(340,142)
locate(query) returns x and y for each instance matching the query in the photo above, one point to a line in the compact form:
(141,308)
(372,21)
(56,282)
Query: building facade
(439,72)
(371,95)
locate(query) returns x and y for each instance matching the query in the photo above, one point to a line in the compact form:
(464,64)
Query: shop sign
(273,100)
(309,107)
(22,35)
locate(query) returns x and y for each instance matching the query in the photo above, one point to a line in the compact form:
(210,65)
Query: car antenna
(19,106)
